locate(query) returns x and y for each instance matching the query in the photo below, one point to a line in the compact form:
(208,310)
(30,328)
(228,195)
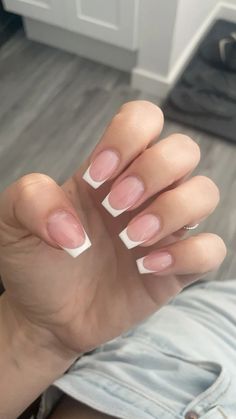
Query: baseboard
(102,52)
(227,12)
(150,82)
(153,82)
(121,58)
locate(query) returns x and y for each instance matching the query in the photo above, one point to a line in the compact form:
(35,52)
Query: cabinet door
(112,21)
(50,11)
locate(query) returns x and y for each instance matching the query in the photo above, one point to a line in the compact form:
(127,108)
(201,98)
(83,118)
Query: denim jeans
(179,363)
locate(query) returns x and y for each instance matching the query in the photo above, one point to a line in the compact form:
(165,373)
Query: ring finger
(187,203)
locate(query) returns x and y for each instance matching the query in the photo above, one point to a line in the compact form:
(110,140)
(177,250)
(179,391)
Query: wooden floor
(54,107)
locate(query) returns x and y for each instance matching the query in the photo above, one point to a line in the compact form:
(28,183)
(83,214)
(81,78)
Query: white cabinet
(49,11)
(111,21)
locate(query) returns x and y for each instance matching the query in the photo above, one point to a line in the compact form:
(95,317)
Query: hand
(83,302)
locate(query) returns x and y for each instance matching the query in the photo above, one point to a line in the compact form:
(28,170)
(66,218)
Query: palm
(100,294)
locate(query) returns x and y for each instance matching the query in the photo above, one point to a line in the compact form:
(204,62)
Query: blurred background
(67,66)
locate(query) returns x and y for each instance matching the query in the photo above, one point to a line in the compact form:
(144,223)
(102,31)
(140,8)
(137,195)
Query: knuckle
(188,144)
(201,250)
(27,182)
(184,138)
(179,153)
(140,110)
(210,250)
(141,105)
(181,201)
(220,249)
(176,201)
(164,159)
(209,187)
(222,245)
(158,154)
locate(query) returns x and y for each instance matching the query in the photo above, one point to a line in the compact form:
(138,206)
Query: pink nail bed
(154,263)
(124,195)
(140,230)
(102,168)
(68,233)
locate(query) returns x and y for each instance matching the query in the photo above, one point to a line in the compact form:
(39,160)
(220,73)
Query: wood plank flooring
(54,107)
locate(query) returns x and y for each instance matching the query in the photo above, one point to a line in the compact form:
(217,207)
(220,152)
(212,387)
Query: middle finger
(154,170)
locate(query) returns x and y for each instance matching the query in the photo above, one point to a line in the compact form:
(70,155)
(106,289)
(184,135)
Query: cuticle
(105,149)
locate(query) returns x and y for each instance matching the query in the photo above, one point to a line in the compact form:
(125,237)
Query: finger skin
(27,204)
(163,164)
(132,129)
(193,200)
(156,169)
(195,255)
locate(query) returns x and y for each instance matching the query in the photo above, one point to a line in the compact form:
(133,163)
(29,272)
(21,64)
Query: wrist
(35,342)
(30,360)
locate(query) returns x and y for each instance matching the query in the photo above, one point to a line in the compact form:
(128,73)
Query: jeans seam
(207,393)
(220,395)
(206,399)
(133,390)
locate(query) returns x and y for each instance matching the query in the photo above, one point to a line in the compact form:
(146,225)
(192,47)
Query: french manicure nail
(102,168)
(68,233)
(140,230)
(123,195)
(154,263)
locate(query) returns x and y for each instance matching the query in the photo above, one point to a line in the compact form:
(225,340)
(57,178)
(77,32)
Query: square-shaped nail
(102,168)
(142,229)
(155,262)
(124,195)
(80,249)
(65,230)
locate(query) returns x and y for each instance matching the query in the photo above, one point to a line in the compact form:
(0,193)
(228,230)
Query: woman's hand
(83,302)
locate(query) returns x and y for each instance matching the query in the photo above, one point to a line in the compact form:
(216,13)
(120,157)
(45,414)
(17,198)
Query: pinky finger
(195,255)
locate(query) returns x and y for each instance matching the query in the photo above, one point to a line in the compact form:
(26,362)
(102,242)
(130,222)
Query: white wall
(156,24)
(165,29)
(190,16)
(170,31)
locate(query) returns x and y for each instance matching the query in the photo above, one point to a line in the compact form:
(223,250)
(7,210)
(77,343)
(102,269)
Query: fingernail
(68,233)
(140,230)
(154,263)
(123,195)
(102,168)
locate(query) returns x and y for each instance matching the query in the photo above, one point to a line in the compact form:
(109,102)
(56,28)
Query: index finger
(132,129)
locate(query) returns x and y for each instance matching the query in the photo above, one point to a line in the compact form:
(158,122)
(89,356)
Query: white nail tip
(130,244)
(110,209)
(78,250)
(141,267)
(95,184)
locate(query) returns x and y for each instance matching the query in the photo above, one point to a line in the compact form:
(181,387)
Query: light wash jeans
(180,360)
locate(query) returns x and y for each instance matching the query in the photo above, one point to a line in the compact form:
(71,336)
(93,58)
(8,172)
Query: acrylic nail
(124,195)
(68,233)
(102,168)
(140,230)
(156,262)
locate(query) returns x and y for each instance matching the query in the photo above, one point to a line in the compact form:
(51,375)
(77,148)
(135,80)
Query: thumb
(36,204)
